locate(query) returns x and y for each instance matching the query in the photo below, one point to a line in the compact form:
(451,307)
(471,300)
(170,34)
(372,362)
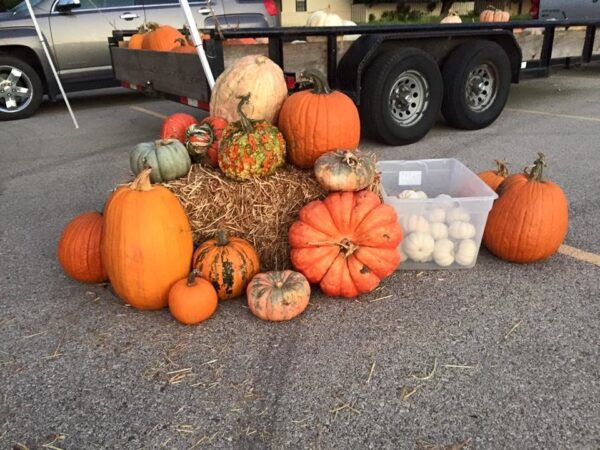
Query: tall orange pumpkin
(79,248)
(161,38)
(317,121)
(529,220)
(347,243)
(147,242)
(494,178)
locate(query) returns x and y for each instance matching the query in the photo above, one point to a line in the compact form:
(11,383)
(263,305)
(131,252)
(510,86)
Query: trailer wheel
(476,84)
(401,96)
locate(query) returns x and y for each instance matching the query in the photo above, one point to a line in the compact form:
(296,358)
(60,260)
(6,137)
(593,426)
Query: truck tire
(401,96)
(21,89)
(476,84)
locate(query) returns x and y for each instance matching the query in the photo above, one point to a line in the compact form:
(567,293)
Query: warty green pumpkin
(345,170)
(168,158)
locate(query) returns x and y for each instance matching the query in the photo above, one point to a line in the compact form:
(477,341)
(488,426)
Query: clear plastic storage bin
(442,231)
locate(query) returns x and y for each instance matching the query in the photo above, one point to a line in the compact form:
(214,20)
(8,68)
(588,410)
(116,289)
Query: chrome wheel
(482,87)
(409,98)
(16,90)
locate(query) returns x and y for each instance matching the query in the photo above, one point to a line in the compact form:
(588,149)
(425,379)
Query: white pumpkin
(254,74)
(466,252)
(438,230)
(437,215)
(443,252)
(457,214)
(316,18)
(414,222)
(461,230)
(323,18)
(418,246)
(452,17)
(409,194)
(443,201)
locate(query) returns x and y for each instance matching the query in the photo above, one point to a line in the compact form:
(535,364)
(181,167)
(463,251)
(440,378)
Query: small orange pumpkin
(229,263)
(79,248)
(491,14)
(136,41)
(494,178)
(317,121)
(529,220)
(175,125)
(161,38)
(192,299)
(146,243)
(278,296)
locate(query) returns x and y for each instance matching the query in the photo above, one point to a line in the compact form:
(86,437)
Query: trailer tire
(476,84)
(401,96)
(16,76)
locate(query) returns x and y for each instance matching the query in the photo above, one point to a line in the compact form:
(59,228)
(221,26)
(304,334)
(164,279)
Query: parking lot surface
(501,356)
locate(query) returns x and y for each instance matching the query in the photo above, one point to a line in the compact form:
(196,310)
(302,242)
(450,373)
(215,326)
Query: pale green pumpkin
(168,158)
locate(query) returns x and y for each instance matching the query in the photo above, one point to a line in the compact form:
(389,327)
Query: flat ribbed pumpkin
(79,248)
(146,244)
(317,121)
(161,38)
(491,14)
(347,243)
(494,178)
(202,141)
(529,220)
(168,158)
(252,73)
(229,263)
(278,296)
(345,170)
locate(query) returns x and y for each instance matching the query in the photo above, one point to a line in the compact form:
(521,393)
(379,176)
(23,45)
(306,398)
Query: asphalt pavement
(502,356)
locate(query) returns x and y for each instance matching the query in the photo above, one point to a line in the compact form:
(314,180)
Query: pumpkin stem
(501,168)
(152,26)
(181,41)
(191,281)
(142,181)
(348,247)
(279,284)
(316,77)
(222,238)
(246,123)
(350,158)
(491,8)
(142,28)
(537,171)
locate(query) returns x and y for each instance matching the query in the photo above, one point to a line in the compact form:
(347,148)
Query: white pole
(43,42)
(197,42)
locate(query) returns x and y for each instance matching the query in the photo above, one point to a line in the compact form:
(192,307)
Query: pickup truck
(76,32)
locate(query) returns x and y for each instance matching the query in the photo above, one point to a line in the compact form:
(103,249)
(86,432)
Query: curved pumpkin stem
(537,171)
(318,80)
(152,26)
(501,168)
(350,158)
(181,41)
(191,280)
(142,28)
(142,181)
(246,123)
(222,238)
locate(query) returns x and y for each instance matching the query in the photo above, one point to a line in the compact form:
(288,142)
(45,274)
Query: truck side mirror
(67,5)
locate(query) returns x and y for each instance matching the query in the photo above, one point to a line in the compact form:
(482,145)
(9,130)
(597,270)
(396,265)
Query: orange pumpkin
(161,38)
(136,41)
(529,220)
(494,178)
(347,243)
(229,263)
(79,248)
(317,121)
(175,125)
(183,46)
(192,300)
(147,242)
(278,296)
(491,14)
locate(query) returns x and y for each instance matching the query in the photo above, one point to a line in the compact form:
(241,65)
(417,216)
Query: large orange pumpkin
(317,121)
(278,296)
(79,248)
(347,243)
(229,263)
(161,38)
(146,244)
(494,178)
(192,300)
(491,14)
(529,220)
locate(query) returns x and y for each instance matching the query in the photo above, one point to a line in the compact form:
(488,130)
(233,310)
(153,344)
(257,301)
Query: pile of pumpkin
(489,14)
(143,245)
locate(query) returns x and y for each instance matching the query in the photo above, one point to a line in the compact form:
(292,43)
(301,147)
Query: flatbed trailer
(400,76)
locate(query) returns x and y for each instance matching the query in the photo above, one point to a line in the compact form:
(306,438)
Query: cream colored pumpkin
(414,222)
(438,230)
(418,246)
(457,214)
(443,252)
(452,17)
(443,201)
(461,230)
(254,74)
(437,215)
(323,18)
(466,252)
(409,194)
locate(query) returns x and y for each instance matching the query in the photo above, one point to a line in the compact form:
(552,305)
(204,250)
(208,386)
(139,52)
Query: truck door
(169,12)
(80,37)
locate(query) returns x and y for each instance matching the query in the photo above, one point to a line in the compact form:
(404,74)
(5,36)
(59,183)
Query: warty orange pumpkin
(278,296)
(79,248)
(147,242)
(529,220)
(494,178)
(347,243)
(229,263)
(317,121)
(192,299)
